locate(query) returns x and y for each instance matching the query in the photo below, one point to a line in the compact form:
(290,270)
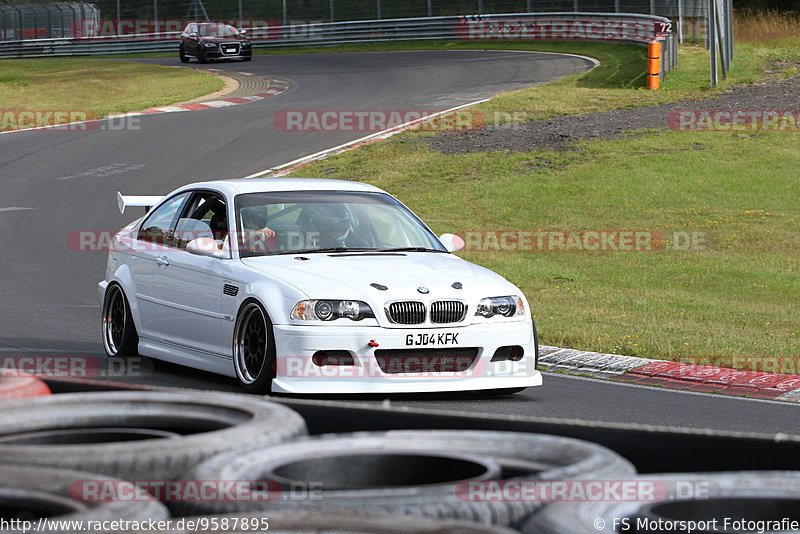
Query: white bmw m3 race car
(310,286)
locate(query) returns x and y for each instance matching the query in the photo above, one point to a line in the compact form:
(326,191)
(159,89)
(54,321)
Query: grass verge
(92,87)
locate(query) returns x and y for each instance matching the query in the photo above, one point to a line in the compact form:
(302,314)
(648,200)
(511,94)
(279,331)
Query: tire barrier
(136,435)
(21,387)
(746,501)
(328,521)
(419,473)
(28,494)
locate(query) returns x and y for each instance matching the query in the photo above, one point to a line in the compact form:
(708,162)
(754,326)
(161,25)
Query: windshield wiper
(327,250)
(408,249)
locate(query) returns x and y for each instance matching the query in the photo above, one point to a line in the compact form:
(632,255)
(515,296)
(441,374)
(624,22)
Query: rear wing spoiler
(147,202)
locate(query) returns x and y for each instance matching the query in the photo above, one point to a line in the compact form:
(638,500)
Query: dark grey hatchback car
(213,40)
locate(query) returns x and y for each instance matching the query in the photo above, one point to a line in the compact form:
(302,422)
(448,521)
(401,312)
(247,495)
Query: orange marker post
(653,64)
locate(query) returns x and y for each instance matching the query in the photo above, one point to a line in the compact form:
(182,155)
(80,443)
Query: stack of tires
(131,456)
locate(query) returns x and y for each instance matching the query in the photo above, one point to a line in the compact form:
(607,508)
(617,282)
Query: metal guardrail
(603,27)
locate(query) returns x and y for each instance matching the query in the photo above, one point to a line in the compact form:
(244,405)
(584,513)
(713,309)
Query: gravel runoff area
(559,133)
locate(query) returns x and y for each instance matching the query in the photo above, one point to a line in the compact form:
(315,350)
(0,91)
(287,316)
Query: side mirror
(204,246)
(243,32)
(451,242)
(193,35)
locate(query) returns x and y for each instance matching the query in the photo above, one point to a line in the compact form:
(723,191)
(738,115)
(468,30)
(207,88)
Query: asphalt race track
(53,183)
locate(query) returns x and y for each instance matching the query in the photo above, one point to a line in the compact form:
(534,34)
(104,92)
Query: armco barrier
(604,27)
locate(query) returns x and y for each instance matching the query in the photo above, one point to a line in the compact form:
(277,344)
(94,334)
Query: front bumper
(297,373)
(223,52)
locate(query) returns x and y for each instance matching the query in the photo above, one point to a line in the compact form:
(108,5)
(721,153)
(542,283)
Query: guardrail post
(653,64)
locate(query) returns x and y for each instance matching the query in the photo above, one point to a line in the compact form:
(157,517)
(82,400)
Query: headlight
(330,310)
(210,45)
(502,306)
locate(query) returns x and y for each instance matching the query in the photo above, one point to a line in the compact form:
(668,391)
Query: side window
(157,228)
(205,215)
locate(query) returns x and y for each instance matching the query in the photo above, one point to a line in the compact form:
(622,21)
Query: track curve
(54,183)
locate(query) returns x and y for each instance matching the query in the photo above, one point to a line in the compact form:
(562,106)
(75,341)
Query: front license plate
(432,339)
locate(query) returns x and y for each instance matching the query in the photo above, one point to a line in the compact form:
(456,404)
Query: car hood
(216,39)
(349,276)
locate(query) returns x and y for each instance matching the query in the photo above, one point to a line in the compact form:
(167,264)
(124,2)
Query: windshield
(217,30)
(327,221)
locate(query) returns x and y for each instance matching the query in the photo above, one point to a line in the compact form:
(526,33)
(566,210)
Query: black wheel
(119,332)
(254,349)
(201,56)
(184,58)
(247,58)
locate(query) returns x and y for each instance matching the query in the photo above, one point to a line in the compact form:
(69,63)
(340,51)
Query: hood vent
(230,290)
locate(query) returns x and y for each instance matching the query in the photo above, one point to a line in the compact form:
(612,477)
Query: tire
(247,58)
(21,387)
(31,493)
(254,348)
(337,521)
(403,482)
(754,496)
(201,56)
(182,54)
(119,330)
(121,434)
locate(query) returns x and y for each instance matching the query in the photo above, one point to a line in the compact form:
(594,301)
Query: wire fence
(36,20)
